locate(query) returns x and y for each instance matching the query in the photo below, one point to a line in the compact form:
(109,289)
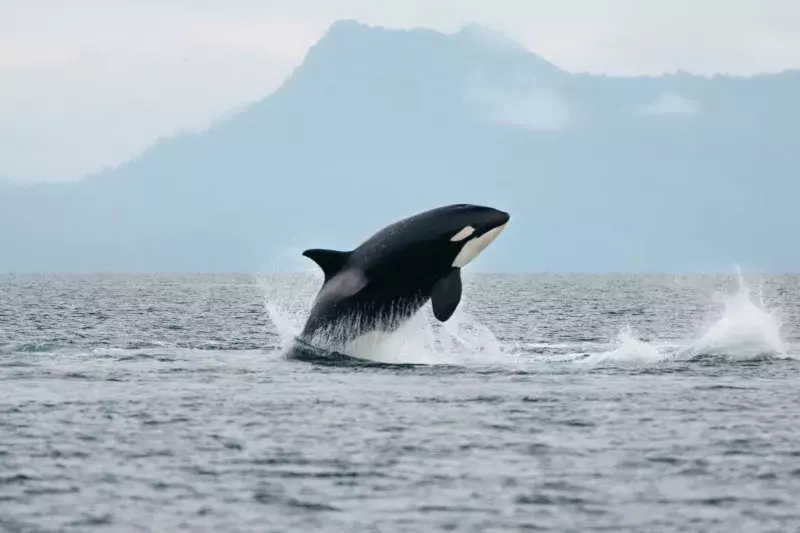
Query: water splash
(747,329)
(288,291)
(631,350)
(415,342)
(287,300)
(422,339)
(283,326)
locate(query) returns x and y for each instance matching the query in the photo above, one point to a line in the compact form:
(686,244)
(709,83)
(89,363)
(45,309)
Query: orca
(380,284)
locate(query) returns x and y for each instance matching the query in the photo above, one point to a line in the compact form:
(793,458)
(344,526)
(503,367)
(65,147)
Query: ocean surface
(597,403)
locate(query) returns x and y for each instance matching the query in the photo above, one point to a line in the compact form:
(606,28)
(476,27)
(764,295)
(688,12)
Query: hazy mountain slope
(663,173)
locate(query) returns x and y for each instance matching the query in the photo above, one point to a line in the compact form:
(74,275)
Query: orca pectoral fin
(330,261)
(446,295)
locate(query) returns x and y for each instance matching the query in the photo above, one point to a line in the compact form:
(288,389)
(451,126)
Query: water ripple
(163,403)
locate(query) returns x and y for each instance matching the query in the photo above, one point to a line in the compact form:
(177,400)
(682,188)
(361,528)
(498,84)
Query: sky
(86,84)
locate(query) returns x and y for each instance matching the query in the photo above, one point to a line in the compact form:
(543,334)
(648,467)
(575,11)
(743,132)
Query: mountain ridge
(377,124)
(344,26)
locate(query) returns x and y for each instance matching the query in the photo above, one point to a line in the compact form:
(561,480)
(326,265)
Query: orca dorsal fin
(446,295)
(330,261)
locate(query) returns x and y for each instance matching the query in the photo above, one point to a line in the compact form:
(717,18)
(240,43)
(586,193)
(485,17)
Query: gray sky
(89,83)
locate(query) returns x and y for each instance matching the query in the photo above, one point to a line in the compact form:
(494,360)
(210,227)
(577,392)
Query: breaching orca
(390,276)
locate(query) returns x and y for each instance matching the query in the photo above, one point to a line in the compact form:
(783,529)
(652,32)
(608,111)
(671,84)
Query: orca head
(459,233)
(469,229)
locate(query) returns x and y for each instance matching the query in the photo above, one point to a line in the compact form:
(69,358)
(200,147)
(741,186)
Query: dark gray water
(566,404)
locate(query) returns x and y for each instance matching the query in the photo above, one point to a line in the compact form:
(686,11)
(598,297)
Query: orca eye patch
(463,234)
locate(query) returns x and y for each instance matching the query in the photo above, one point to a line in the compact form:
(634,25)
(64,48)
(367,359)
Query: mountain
(670,173)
